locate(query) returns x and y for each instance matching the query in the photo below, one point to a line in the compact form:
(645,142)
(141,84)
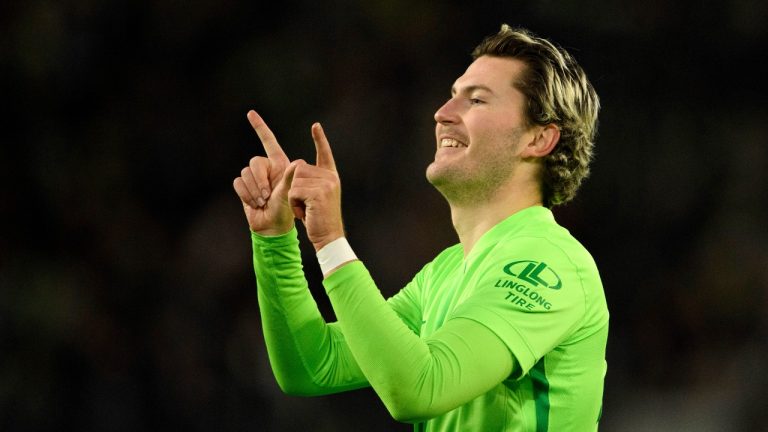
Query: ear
(544,141)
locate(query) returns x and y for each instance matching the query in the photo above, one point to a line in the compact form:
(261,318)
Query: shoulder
(548,241)
(532,232)
(542,256)
(447,257)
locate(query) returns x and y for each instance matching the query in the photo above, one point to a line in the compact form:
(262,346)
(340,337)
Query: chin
(430,169)
(434,174)
(440,177)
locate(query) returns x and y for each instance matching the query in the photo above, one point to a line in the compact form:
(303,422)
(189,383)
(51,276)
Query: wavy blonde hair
(557,91)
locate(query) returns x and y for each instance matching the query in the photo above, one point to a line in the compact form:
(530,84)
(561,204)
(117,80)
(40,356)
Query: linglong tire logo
(534,272)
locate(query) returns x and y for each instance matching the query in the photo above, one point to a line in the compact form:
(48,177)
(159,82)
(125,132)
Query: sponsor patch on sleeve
(526,282)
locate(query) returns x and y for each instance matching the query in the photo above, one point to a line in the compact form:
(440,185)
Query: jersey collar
(511,224)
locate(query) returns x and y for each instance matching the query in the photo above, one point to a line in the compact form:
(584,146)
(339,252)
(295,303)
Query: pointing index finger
(323,147)
(268,140)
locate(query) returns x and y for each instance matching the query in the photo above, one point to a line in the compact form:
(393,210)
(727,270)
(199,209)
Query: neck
(473,219)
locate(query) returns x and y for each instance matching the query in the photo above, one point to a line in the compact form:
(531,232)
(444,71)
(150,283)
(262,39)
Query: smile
(450,142)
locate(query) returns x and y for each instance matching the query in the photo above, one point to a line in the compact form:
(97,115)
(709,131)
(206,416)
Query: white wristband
(335,254)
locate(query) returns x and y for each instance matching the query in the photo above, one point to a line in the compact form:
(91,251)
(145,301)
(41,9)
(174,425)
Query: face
(480,131)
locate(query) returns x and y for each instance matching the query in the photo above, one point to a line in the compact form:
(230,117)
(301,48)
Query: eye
(476,101)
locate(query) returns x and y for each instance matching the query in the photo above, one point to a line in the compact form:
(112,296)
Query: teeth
(450,142)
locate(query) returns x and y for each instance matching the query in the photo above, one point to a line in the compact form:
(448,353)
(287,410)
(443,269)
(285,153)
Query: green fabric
(308,357)
(438,352)
(416,378)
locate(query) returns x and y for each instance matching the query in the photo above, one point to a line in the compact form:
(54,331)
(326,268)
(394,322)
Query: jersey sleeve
(529,292)
(415,378)
(308,356)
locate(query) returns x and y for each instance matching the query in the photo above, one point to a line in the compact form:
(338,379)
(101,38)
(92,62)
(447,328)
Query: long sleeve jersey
(510,337)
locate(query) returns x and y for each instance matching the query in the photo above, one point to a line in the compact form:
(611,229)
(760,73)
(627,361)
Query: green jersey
(531,283)
(527,295)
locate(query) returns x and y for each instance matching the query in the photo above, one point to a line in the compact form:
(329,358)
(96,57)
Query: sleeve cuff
(335,254)
(288,237)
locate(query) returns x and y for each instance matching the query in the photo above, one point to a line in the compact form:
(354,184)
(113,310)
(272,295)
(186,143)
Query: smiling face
(481,131)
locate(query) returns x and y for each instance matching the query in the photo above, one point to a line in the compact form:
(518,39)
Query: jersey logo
(534,272)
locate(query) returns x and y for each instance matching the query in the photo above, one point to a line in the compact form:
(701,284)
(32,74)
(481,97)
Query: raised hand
(315,193)
(263,185)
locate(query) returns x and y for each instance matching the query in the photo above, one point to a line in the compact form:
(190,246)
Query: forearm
(308,357)
(415,378)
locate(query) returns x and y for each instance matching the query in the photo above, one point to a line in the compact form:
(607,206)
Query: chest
(446,290)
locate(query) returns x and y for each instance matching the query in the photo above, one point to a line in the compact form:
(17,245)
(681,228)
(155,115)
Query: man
(506,330)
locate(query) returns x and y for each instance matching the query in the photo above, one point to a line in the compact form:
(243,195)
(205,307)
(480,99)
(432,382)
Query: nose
(447,114)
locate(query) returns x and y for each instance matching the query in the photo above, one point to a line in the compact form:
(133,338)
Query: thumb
(285,183)
(297,206)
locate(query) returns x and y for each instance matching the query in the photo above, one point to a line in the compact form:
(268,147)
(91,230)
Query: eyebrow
(471,88)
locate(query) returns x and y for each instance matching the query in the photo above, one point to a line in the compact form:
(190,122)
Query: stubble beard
(476,185)
(467,184)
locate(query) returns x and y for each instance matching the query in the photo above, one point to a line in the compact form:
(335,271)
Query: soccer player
(504,331)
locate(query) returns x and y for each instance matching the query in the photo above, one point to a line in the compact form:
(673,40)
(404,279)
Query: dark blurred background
(127,298)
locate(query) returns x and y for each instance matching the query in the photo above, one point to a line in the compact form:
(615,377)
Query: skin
(274,190)
(492,176)
(497,173)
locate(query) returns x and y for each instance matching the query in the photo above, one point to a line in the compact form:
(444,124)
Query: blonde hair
(557,91)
